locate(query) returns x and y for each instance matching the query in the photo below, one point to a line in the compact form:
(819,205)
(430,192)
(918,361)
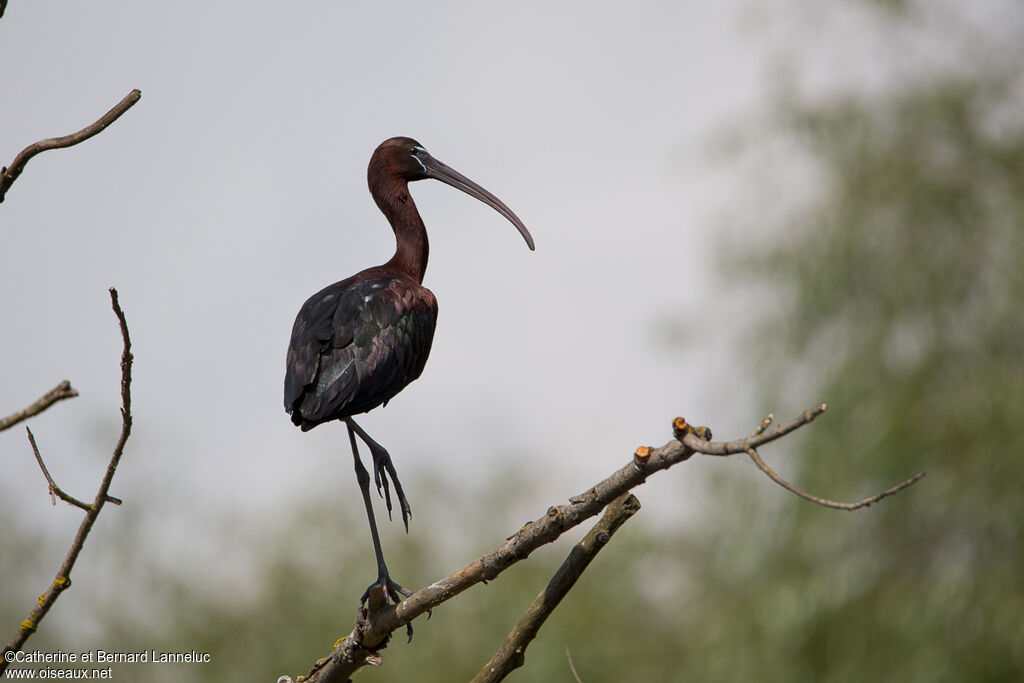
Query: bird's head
(406,159)
(399,157)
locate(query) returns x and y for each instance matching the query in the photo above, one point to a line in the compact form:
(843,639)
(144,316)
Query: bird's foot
(389,589)
(383,469)
(377,595)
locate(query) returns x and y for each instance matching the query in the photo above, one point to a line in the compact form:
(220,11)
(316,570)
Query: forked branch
(749,446)
(55,491)
(361,647)
(63,579)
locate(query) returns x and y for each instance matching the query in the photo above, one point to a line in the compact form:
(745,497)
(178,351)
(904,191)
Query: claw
(387,489)
(390,589)
(384,469)
(393,590)
(376,472)
(403,502)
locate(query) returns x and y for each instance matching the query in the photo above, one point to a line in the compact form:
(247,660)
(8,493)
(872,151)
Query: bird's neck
(412,248)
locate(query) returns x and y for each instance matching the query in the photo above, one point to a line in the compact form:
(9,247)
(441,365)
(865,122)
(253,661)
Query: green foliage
(903,309)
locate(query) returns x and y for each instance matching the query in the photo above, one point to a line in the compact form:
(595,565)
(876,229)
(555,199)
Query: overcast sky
(236,188)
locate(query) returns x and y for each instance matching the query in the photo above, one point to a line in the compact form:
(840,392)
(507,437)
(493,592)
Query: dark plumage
(358,342)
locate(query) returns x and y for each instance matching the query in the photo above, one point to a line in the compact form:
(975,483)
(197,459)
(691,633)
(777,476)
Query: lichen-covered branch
(63,579)
(9,174)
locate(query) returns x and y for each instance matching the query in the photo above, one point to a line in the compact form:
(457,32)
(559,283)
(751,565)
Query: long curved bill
(446,174)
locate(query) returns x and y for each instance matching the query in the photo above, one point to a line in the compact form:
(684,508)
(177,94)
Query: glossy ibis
(358,342)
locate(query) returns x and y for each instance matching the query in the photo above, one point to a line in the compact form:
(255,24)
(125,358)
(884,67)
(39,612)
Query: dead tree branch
(373,630)
(9,174)
(63,579)
(758,437)
(55,491)
(512,653)
(58,393)
(825,501)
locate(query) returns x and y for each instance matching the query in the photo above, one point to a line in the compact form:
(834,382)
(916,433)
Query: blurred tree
(901,287)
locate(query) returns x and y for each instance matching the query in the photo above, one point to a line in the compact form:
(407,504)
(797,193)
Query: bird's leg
(391,589)
(382,469)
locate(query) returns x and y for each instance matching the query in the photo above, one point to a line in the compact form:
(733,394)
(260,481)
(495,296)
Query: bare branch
(55,491)
(757,437)
(361,647)
(126,395)
(58,393)
(63,579)
(824,501)
(699,444)
(9,174)
(512,653)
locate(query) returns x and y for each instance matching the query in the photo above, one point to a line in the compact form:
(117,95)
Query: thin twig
(512,653)
(58,393)
(825,501)
(572,667)
(55,491)
(765,424)
(759,437)
(63,579)
(9,174)
(126,394)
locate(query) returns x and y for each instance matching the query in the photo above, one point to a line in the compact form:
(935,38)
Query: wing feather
(355,344)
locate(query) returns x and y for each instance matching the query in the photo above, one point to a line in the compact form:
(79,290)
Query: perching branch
(63,579)
(512,653)
(9,174)
(373,630)
(58,393)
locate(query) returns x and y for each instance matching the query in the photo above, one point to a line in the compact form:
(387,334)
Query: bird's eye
(416,151)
